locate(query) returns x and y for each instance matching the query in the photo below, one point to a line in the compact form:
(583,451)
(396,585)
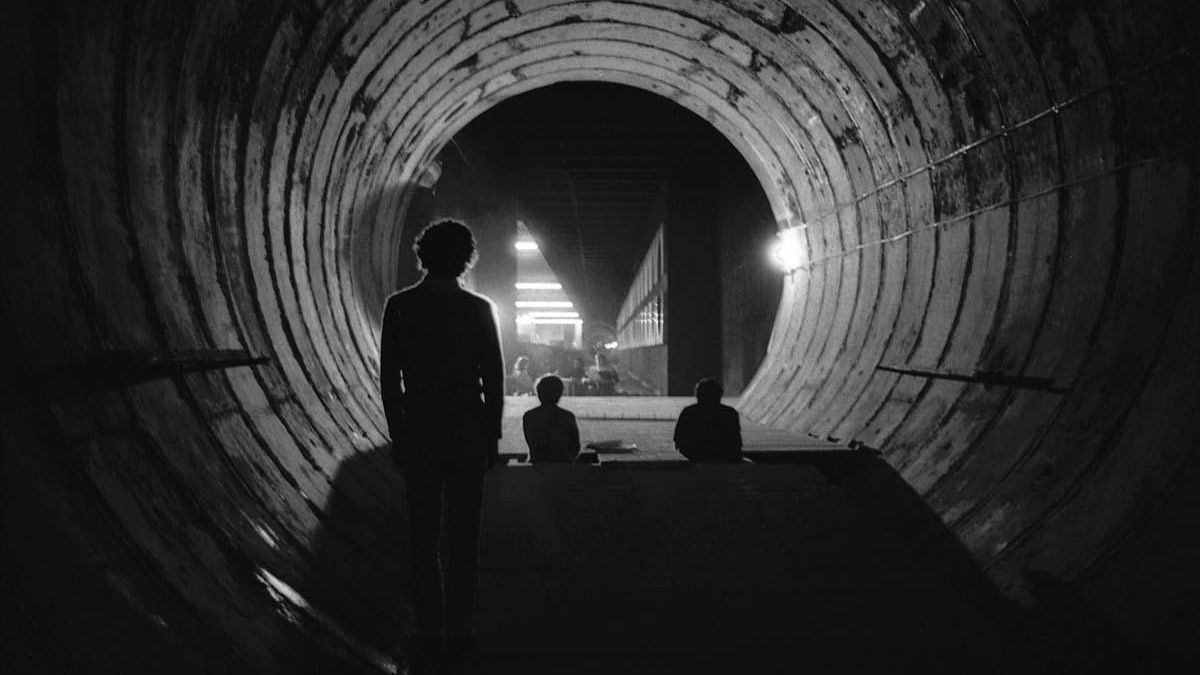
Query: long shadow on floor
(829,563)
(1059,633)
(356,610)
(735,568)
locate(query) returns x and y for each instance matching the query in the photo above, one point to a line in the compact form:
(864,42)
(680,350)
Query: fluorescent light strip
(526,246)
(545,304)
(553,315)
(538,286)
(557,322)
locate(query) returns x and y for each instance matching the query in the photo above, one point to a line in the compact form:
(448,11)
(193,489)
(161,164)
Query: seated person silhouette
(709,431)
(550,431)
(519,382)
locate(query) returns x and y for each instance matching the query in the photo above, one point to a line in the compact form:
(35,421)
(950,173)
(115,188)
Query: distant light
(610,345)
(554,315)
(538,286)
(526,245)
(788,252)
(545,304)
(556,322)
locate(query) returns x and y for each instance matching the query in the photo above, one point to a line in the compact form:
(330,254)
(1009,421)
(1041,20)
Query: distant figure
(576,377)
(519,381)
(606,376)
(550,431)
(442,379)
(577,370)
(709,431)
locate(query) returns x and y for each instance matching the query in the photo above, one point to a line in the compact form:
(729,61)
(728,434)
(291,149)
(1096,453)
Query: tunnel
(997,292)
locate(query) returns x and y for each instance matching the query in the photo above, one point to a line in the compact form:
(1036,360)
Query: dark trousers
(445,610)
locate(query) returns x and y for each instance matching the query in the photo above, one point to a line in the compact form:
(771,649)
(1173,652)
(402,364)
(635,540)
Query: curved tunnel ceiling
(997,198)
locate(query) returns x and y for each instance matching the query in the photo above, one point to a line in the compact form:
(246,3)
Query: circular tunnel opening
(620,197)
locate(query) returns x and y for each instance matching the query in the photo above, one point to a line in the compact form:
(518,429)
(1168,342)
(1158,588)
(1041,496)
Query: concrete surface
(712,569)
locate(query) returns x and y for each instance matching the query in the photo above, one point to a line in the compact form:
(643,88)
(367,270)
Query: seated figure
(709,431)
(519,383)
(606,376)
(550,431)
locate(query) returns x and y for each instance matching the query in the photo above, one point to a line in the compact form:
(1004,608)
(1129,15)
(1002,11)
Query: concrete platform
(826,562)
(712,569)
(671,567)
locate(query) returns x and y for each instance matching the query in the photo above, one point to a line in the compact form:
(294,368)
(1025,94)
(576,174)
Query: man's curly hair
(446,248)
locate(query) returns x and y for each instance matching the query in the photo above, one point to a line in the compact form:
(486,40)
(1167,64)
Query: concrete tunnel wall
(1006,187)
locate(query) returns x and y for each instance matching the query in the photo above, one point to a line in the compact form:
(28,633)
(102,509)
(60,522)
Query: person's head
(709,390)
(549,389)
(446,248)
(522,363)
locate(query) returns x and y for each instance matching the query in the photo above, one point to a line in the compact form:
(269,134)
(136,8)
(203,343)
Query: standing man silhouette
(442,376)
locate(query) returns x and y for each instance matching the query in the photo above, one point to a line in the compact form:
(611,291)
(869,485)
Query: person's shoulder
(402,295)
(728,411)
(533,413)
(480,300)
(390,305)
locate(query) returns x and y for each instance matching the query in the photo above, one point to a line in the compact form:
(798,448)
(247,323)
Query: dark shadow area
(358,590)
(1073,636)
(64,613)
(1060,633)
(881,495)
(816,561)
(826,561)
(734,568)
(1178,639)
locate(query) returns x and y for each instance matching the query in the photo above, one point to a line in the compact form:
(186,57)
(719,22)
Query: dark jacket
(709,432)
(441,370)
(552,434)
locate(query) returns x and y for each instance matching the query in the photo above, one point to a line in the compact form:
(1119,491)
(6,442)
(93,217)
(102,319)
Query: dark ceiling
(588,166)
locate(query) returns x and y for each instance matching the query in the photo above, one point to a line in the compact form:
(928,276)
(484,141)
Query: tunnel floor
(650,564)
(744,569)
